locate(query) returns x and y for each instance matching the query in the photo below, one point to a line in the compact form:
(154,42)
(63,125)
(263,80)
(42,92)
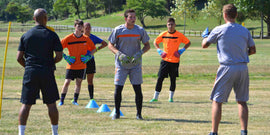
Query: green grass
(189,114)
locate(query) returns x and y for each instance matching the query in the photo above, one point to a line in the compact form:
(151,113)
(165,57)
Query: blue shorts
(228,77)
(135,75)
(36,79)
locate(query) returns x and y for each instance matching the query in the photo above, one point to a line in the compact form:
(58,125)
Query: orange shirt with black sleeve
(77,46)
(171,43)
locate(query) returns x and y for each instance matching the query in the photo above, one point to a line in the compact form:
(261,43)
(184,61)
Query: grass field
(189,114)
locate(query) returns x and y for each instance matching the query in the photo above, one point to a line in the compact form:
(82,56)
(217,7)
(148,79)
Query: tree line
(22,10)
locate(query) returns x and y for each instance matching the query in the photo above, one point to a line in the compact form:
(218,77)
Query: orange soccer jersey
(171,44)
(77,46)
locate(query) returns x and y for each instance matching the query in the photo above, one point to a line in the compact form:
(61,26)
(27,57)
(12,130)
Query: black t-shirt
(38,45)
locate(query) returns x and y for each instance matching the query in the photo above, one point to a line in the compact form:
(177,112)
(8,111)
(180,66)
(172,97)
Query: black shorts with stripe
(168,68)
(73,74)
(36,79)
(91,66)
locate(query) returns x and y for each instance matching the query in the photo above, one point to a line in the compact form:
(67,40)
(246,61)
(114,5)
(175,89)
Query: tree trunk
(142,22)
(267,21)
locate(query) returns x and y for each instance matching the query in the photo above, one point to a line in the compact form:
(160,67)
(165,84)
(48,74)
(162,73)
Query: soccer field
(189,114)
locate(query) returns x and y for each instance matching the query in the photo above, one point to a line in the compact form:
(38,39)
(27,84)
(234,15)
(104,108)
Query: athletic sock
(76,96)
(156,94)
(63,95)
(244,132)
(54,129)
(171,94)
(21,129)
(91,91)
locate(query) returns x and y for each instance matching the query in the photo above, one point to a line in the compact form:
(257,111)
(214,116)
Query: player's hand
(136,58)
(123,58)
(161,53)
(205,33)
(85,58)
(179,52)
(70,59)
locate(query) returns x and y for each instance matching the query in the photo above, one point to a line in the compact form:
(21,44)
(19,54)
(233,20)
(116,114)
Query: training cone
(92,104)
(103,108)
(113,112)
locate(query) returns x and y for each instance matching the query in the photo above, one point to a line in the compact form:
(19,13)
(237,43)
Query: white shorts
(228,77)
(135,75)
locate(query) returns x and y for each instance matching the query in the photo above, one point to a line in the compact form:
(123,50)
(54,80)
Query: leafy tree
(185,8)
(61,9)
(46,4)
(144,8)
(214,8)
(76,4)
(22,12)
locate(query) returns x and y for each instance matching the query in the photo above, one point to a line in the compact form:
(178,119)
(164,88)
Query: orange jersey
(77,46)
(171,43)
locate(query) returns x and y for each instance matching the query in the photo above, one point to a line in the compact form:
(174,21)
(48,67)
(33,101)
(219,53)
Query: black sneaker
(211,133)
(139,117)
(244,132)
(116,116)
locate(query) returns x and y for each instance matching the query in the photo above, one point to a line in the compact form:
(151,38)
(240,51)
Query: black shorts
(36,79)
(168,68)
(72,74)
(91,66)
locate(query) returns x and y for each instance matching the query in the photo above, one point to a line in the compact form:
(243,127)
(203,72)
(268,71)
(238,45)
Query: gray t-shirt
(128,41)
(233,41)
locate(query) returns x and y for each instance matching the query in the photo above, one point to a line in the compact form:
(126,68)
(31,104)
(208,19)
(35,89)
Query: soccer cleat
(139,117)
(211,133)
(153,100)
(116,116)
(170,100)
(74,102)
(60,103)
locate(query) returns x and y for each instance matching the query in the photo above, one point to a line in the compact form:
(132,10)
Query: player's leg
(90,78)
(64,91)
(90,71)
(172,88)
(77,90)
(138,100)
(117,100)
(23,116)
(54,117)
(216,115)
(119,81)
(243,115)
(173,72)
(158,88)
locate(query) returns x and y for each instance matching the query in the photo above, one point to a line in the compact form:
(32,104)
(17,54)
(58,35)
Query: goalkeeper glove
(70,59)
(179,52)
(136,59)
(123,58)
(205,33)
(85,58)
(161,53)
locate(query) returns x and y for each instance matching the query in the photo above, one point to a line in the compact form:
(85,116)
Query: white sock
(54,129)
(171,94)
(156,95)
(21,129)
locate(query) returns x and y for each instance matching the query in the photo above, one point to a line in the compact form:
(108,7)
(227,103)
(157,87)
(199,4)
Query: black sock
(244,132)
(91,91)
(63,95)
(138,98)
(118,98)
(76,96)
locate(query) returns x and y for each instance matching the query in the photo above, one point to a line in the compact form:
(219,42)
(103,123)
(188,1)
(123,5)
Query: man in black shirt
(35,54)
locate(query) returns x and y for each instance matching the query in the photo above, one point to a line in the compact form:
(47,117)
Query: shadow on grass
(187,121)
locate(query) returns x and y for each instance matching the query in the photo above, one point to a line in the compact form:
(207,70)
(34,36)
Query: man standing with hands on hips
(169,64)
(234,45)
(125,43)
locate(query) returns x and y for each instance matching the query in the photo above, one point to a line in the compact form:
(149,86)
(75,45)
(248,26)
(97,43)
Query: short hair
(171,20)
(128,11)
(40,14)
(78,21)
(230,10)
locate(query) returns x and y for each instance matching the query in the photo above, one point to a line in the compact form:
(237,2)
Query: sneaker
(116,116)
(139,117)
(60,103)
(74,102)
(243,132)
(153,100)
(170,100)
(211,133)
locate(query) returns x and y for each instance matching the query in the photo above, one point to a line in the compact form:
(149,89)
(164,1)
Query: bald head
(40,16)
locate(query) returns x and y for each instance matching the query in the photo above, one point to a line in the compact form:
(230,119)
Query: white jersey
(233,41)
(128,41)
